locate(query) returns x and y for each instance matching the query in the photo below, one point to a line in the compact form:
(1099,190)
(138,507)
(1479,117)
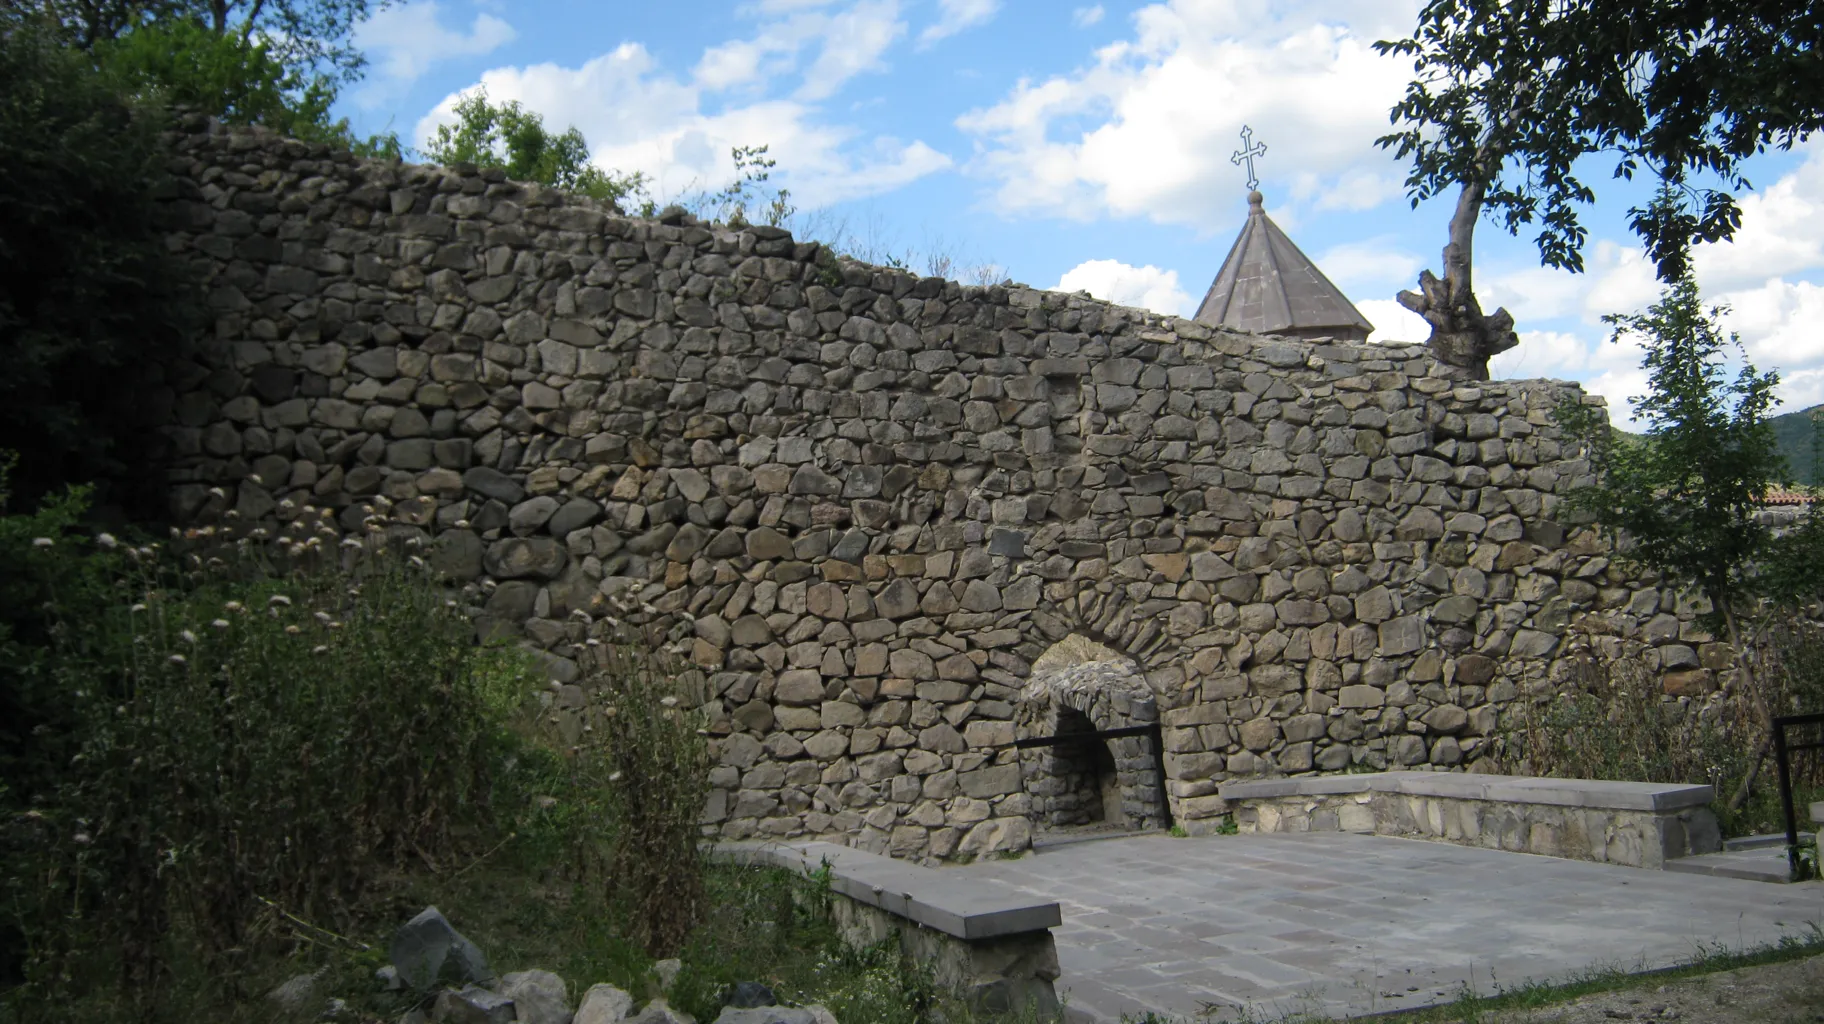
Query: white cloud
(744,62)
(847,42)
(1147,128)
(1083,17)
(853,42)
(956,15)
(1372,265)
(1779,326)
(1393,322)
(1147,287)
(1782,231)
(1621,280)
(1354,189)
(1531,293)
(403,42)
(637,118)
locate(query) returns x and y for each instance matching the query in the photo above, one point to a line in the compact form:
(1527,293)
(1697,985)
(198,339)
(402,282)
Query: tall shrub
(89,300)
(1684,500)
(659,781)
(261,740)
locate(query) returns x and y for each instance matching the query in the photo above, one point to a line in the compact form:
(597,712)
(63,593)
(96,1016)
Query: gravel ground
(1787,993)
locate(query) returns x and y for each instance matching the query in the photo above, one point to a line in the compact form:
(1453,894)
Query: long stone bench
(983,941)
(1640,824)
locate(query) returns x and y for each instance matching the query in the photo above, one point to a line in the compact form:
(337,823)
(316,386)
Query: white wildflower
(107,540)
(320,649)
(178,659)
(220,623)
(279,599)
(187,637)
(42,542)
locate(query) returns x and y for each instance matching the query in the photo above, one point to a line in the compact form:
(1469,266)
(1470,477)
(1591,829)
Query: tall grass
(263,727)
(653,740)
(1610,719)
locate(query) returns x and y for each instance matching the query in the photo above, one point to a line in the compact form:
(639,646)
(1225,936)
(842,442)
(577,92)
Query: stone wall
(1635,824)
(866,502)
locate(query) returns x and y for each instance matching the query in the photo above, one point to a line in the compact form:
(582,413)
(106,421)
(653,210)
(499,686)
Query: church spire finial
(1249,150)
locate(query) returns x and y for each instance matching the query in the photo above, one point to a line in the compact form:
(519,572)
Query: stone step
(1042,841)
(1759,864)
(1755,842)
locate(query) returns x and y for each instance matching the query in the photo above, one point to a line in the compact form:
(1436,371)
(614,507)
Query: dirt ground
(1787,993)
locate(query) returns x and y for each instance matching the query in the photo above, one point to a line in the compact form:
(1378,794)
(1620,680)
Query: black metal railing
(1153,730)
(1783,749)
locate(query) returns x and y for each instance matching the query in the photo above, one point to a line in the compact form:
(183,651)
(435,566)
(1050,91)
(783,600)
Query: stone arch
(1080,686)
(1128,629)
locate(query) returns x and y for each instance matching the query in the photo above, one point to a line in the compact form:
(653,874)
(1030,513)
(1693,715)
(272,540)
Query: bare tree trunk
(1461,334)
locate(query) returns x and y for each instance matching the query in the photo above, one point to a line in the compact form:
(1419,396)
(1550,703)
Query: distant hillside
(1795,432)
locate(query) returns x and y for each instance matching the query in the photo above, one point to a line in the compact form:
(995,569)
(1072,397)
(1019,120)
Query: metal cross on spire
(1249,150)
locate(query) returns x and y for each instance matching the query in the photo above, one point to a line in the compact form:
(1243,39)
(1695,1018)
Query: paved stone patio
(1356,924)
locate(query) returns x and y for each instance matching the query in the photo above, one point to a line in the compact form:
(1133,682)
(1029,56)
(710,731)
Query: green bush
(658,783)
(257,745)
(89,299)
(1609,719)
(182,62)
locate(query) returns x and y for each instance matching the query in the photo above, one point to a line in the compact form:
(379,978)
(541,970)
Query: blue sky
(1081,145)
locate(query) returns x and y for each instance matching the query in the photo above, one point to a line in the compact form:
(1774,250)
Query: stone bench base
(983,942)
(1632,823)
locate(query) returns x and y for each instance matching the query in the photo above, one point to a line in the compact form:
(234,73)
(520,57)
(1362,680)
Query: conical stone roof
(1267,286)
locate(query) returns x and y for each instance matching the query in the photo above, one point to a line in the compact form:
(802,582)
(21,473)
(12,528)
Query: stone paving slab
(1352,924)
(1763,863)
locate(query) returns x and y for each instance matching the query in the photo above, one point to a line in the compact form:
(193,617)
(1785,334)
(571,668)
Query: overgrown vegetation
(259,729)
(254,754)
(280,63)
(514,139)
(658,782)
(88,300)
(1683,503)
(91,308)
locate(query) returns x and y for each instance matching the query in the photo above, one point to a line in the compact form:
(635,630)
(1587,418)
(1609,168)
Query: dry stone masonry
(869,502)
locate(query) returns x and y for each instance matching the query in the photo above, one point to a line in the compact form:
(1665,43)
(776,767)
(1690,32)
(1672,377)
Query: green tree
(314,36)
(514,139)
(1509,94)
(277,64)
(1684,500)
(239,80)
(89,299)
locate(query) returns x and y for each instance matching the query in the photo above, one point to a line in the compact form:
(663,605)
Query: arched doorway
(1079,688)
